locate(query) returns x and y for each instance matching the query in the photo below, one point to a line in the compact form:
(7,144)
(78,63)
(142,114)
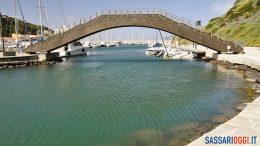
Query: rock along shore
(247,122)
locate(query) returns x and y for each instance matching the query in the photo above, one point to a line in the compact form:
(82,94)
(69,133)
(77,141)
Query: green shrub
(247,14)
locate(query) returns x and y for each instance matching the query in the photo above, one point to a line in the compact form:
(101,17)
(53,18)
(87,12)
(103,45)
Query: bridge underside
(155,21)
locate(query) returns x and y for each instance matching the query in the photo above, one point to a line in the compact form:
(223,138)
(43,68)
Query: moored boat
(73,49)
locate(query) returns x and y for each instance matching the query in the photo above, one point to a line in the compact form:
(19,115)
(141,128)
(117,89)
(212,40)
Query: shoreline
(251,75)
(218,120)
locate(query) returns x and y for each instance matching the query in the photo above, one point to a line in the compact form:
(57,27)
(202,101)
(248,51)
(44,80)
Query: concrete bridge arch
(157,19)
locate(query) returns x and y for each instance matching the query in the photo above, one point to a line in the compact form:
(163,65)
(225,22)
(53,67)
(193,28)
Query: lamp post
(1,32)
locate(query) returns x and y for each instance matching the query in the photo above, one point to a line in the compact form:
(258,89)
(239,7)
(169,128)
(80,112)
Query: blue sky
(75,9)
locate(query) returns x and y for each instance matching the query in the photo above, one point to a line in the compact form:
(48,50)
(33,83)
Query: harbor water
(115,97)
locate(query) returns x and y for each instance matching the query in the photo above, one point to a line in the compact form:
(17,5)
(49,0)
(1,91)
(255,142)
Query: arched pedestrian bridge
(157,19)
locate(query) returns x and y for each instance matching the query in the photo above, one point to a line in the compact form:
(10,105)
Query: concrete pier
(17,57)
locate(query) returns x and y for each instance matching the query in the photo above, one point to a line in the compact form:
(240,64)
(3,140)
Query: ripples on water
(115,97)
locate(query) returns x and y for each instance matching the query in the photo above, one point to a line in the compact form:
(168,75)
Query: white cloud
(220,7)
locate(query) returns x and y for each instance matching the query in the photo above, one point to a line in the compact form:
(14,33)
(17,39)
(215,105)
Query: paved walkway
(247,122)
(250,58)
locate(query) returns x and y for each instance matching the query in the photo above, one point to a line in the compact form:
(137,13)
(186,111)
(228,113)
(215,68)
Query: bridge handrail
(157,11)
(143,11)
(147,11)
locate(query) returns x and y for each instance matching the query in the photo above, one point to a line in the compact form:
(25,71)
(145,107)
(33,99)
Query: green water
(115,97)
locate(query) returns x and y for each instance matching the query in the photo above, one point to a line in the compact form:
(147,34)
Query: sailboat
(155,48)
(161,50)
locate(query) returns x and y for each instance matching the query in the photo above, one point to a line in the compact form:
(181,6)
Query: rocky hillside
(241,23)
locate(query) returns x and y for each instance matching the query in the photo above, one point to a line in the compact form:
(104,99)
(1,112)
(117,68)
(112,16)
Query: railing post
(134,13)
(102,12)
(165,15)
(126,13)
(108,13)
(115,14)
(121,13)
(146,13)
(153,12)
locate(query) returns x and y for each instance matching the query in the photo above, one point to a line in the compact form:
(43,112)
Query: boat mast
(117,36)
(132,35)
(163,43)
(143,39)
(15,20)
(121,36)
(62,13)
(40,16)
(107,37)
(46,13)
(21,11)
(2,34)
(156,38)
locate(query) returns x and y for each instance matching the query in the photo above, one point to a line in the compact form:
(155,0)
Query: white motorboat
(154,49)
(73,49)
(94,45)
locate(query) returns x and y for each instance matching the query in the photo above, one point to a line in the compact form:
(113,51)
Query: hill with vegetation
(8,27)
(241,23)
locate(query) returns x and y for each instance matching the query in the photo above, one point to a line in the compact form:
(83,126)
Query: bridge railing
(130,12)
(133,12)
